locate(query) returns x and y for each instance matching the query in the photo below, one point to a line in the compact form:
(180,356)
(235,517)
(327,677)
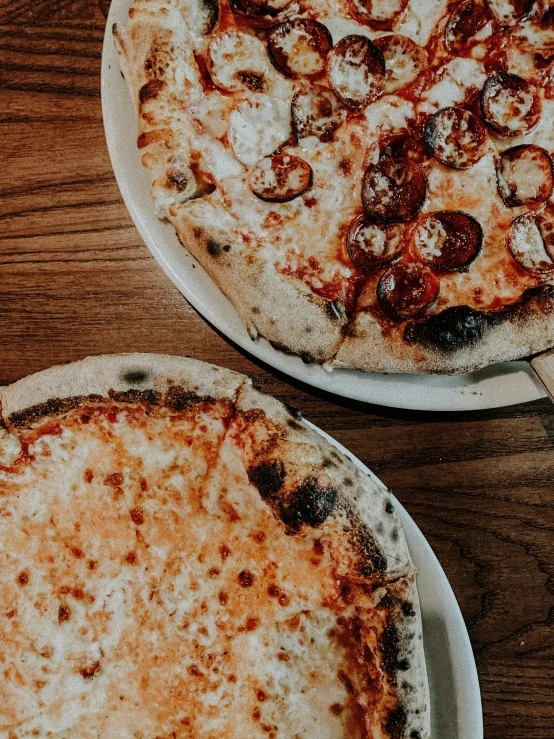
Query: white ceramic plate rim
(456,711)
(500,385)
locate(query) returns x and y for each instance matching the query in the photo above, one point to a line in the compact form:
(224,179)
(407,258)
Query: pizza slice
(183,556)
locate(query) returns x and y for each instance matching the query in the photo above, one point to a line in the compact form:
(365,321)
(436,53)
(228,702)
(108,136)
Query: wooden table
(76,279)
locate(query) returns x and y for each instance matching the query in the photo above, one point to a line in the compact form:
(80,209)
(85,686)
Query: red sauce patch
(246,579)
(64,613)
(90,670)
(137,516)
(23,578)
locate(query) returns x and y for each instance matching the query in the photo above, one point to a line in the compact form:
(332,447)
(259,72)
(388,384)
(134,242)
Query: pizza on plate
(368,181)
(182,557)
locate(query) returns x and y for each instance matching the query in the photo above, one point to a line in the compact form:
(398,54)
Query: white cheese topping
(258,126)
(455,80)
(240,62)
(527,245)
(430,238)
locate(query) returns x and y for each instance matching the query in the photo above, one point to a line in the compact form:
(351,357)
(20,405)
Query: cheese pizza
(370,183)
(183,557)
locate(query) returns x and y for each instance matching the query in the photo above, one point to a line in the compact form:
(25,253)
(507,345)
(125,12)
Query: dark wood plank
(75,279)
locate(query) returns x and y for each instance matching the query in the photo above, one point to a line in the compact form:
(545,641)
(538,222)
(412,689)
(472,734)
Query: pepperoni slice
(371,244)
(280,177)
(508,12)
(456,138)
(259,14)
(510,105)
(379,14)
(316,112)
(462,30)
(356,70)
(404,60)
(407,289)
(299,47)
(394,189)
(448,240)
(525,175)
(531,241)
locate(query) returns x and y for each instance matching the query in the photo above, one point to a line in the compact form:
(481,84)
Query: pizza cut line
(369,183)
(182,556)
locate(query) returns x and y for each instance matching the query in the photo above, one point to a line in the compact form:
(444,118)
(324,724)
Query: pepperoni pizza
(370,182)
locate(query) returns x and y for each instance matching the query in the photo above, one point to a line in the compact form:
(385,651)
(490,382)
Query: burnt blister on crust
(135,377)
(151,90)
(268,477)
(453,328)
(396,722)
(309,505)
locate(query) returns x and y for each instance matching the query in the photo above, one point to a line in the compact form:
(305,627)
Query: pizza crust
(525,330)
(362,526)
(103,375)
(278,307)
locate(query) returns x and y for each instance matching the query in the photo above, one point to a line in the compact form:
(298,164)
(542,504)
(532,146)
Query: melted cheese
(258,126)
(147,589)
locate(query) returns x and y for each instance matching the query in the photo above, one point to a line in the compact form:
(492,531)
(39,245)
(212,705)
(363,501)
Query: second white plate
(499,385)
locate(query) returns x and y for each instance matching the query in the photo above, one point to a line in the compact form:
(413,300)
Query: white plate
(499,385)
(454,686)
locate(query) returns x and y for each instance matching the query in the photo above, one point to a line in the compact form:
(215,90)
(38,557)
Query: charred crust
(254,81)
(395,725)
(52,407)
(389,650)
(268,477)
(309,505)
(307,357)
(295,425)
(389,508)
(408,610)
(371,558)
(179,399)
(135,377)
(145,397)
(150,90)
(453,328)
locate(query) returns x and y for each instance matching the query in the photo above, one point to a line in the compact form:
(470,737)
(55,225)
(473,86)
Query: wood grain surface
(76,279)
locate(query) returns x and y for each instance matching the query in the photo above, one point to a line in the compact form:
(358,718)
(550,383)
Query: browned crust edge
(522,330)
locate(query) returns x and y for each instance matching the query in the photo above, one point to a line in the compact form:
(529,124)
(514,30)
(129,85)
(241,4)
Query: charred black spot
(453,328)
(394,534)
(310,505)
(268,477)
(227,248)
(408,610)
(334,310)
(415,734)
(135,377)
(348,482)
(177,179)
(389,508)
(396,723)
(403,665)
(389,649)
(214,249)
(295,425)
(307,357)
(150,90)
